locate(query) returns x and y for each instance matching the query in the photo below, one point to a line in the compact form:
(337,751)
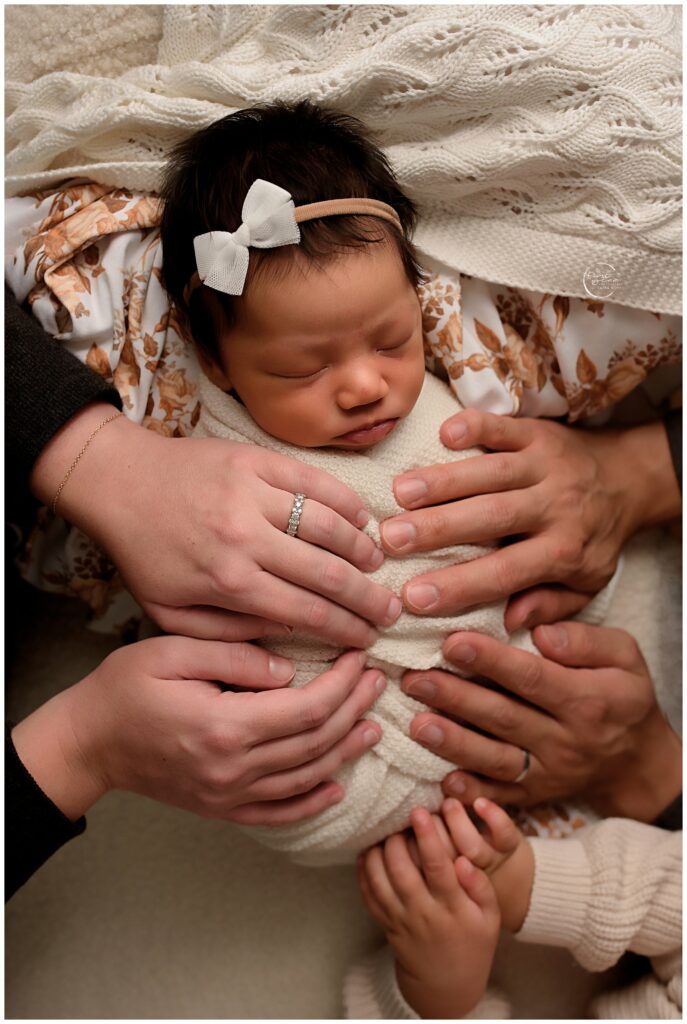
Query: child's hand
(442,920)
(501,851)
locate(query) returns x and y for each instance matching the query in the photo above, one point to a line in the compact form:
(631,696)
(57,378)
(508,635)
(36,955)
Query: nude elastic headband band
(269,220)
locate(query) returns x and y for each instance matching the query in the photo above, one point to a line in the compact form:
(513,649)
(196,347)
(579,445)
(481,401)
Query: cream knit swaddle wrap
(385,783)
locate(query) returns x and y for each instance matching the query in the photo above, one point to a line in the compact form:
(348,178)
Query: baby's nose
(362,386)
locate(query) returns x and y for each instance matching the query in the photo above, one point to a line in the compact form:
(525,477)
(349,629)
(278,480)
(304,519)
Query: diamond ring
(295,517)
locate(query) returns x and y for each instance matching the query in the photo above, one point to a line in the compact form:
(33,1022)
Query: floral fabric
(88,260)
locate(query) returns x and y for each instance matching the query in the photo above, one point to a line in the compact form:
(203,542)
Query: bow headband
(269,219)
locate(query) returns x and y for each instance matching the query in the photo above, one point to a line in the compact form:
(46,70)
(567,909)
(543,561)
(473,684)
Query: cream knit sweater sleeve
(615,887)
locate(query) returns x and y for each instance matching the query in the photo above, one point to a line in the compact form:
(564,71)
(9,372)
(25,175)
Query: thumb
(582,646)
(206,623)
(543,604)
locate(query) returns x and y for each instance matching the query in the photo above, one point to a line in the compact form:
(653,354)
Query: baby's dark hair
(312,152)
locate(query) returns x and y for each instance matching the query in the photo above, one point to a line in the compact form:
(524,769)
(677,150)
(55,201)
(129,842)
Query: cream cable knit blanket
(542,143)
(387,782)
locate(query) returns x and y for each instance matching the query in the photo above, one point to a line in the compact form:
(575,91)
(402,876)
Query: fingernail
(430,735)
(423,688)
(557,636)
(398,535)
(454,784)
(450,804)
(361,658)
(278,629)
(456,432)
(281,669)
(410,490)
(370,737)
(393,611)
(376,559)
(422,595)
(462,652)
(362,519)
(380,683)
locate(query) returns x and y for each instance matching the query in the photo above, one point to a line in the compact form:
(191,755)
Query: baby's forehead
(365,294)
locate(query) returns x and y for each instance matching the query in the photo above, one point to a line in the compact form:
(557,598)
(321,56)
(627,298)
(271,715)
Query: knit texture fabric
(398,774)
(614,887)
(542,144)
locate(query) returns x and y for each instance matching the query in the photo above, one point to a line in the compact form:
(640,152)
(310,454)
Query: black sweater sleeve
(45,385)
(34,827)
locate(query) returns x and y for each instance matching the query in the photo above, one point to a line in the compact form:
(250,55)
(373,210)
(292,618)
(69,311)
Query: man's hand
(152,719)
(196,526)
(568,497)
(585,712)
(441,919)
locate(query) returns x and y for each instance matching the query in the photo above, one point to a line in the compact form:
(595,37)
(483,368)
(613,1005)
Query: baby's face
(330,357)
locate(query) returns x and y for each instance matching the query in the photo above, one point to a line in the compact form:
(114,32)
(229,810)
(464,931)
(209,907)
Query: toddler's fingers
(504,833)
(374,908)
(436,864)
(476,885)
(464,834)
(446,840)
(403,874)
(379,883)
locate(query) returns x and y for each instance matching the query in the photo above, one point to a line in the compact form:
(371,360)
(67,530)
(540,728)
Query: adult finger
(281,754)
(205,623)
(543,604)
(485,429)
(290,712)
(307,611)
(325,528)
(490,578)
(280,785)
(470,521)
(437,866)
(467,788)
(239,664)
(476,753)
(537,680)
(483,474)
(333,578)
(580,645)
(298,478)
(487,709)
(286,812)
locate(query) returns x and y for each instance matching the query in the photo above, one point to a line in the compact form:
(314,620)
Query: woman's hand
(441,918)
(585,712)
(152,719)
(196,526)
(569,497)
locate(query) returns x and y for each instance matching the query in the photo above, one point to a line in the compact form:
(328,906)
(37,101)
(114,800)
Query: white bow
(269,220)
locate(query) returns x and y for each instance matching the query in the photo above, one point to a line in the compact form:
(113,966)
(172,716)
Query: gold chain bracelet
(53,507)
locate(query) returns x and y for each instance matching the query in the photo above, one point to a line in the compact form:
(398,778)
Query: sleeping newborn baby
(306,319)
